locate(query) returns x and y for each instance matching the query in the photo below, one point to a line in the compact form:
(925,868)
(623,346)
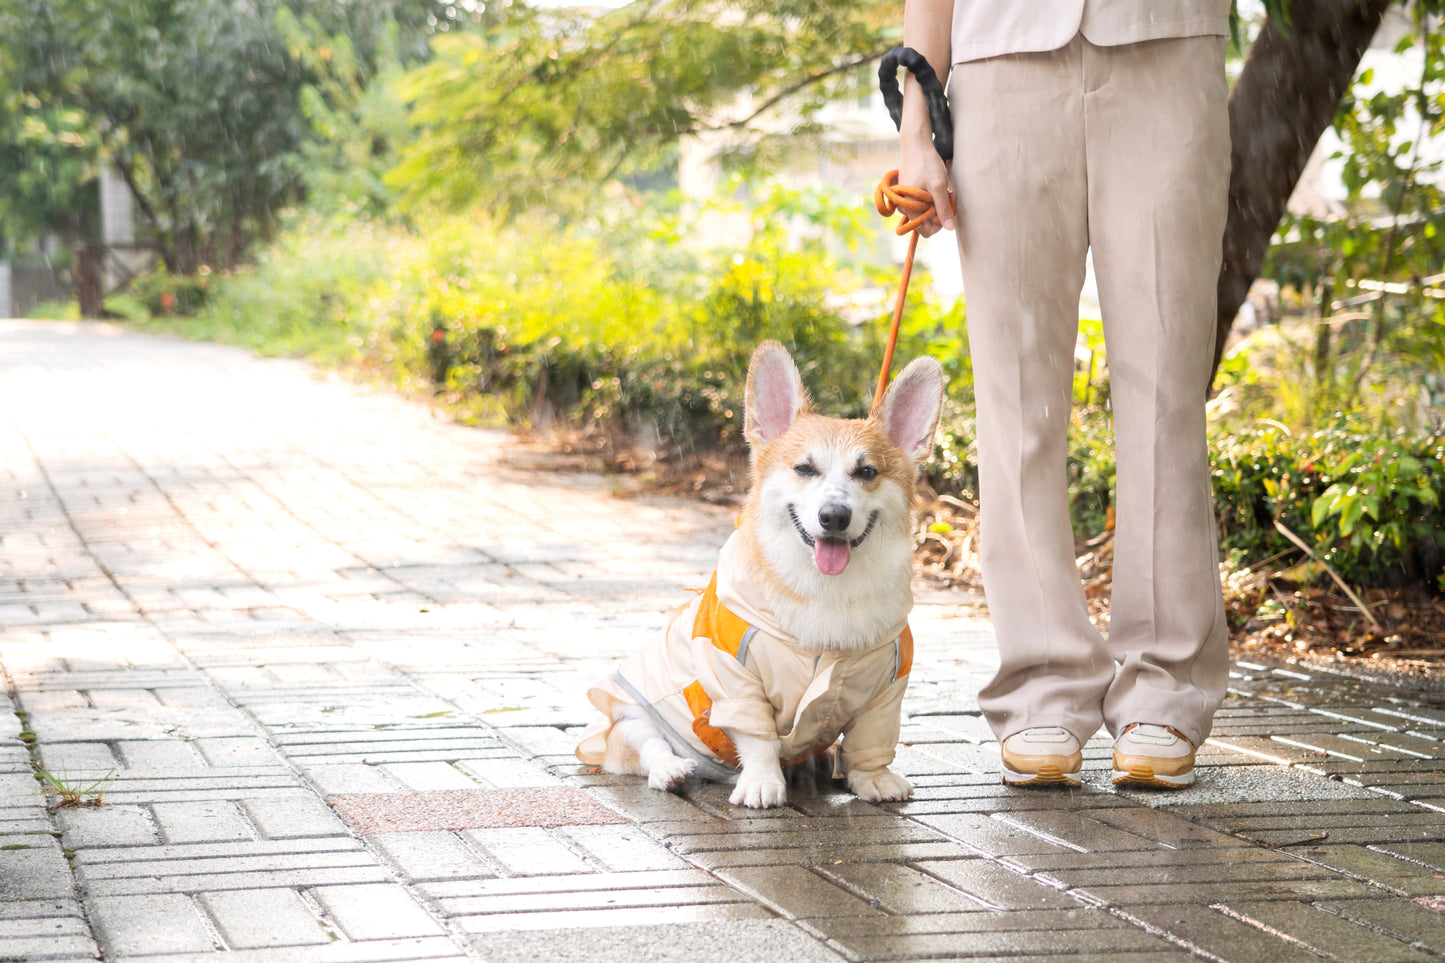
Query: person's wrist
(913,135)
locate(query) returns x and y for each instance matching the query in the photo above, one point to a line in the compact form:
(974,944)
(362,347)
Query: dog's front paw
(669,774)
(759,790)
(878,785)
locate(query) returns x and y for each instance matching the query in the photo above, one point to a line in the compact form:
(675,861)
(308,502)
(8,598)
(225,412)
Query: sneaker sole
(1145,776)
(1046,776)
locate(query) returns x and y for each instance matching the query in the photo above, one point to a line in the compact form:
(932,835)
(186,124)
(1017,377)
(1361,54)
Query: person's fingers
(943,206)
(921,167)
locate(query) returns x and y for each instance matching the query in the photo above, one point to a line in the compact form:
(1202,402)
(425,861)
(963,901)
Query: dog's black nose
(835,518)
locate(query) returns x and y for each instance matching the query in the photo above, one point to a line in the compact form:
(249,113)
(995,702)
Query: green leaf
(1350,514)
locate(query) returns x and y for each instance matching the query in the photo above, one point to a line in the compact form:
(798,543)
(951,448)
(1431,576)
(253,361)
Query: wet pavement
(325,654)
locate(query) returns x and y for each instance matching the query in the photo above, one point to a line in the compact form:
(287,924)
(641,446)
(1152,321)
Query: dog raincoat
(721,664)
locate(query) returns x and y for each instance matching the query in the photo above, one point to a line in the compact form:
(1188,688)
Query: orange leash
(914,206)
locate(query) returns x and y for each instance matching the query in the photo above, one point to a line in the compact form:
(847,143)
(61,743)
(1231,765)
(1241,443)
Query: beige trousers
(1124,150)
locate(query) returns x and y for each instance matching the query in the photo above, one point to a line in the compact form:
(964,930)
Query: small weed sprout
(71,796)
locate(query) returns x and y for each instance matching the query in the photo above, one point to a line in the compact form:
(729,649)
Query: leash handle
(915,205)
(933,95)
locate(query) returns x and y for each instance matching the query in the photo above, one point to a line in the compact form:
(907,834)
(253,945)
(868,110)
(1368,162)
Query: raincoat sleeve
(739,699)
(870,738)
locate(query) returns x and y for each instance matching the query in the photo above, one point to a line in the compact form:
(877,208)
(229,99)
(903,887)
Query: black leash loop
(933,95)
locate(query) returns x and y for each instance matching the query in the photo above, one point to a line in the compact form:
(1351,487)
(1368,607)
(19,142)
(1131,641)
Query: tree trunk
(88,273)
(1282,102)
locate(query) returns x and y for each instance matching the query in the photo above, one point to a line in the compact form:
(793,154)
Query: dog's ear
(775,395)
(911,408)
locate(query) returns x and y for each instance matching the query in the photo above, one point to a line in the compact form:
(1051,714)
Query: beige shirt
(992,28)
(777,690)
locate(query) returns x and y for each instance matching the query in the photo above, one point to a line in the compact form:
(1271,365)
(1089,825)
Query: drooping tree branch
(794,88)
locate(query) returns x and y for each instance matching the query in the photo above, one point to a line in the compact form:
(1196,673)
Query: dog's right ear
(774,395)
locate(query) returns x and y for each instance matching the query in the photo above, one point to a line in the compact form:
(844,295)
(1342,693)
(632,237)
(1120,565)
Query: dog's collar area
(810,540)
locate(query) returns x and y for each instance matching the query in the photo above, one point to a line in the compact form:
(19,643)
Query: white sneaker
(1042,757)
(1149,755)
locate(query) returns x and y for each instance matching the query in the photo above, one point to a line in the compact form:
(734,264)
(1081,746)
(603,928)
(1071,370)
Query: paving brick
(1076,831)
(1369,835)
(990,837)
(202,822)
(155,754)
(1200,927)
(293,816)
(902,890)
(37,909)
(577,883)
(237,751)
(1411,744)
(830,855)
(1380,868)
(1430,855)
(46,939)
(796,836)
(1165,828)
(351,778)
(167,857)
(505,773)
(424,857)
(152,924)
(643,805)
(375,912)
(1267,749)
(254,879)
(609,899)
(472,809)
(423,776)
(731,933)
(78,759)
(1296,808)
(264,917)
(1209,894)
(996,944)
(1406,921)
(107,826)
(795,891)
(1167,872)
(987,921)
(1325,933)
(528,852)
(620,849)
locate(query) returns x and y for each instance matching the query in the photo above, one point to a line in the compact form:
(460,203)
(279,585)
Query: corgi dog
(802,634)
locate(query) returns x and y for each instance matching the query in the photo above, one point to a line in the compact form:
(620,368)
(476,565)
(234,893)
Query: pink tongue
(831,555)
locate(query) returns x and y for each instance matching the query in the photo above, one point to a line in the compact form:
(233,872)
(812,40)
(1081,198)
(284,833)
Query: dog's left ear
(774,395)
(911,408)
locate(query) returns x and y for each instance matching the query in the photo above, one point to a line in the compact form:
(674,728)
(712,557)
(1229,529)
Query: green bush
(1369,505)
(165,294)
(614,325)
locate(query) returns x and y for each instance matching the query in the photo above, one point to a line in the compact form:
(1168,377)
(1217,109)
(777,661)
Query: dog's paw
(878,785)
(759,791)
(669,774)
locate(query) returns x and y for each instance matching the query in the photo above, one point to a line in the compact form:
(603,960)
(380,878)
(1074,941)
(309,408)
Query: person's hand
(921,167)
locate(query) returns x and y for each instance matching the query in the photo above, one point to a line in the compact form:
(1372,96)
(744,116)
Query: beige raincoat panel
(777,690)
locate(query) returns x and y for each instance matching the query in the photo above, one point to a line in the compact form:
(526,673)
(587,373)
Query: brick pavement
(330,651)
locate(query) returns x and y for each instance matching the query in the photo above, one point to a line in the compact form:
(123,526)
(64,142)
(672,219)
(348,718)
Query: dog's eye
(805,469)
(865,472)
